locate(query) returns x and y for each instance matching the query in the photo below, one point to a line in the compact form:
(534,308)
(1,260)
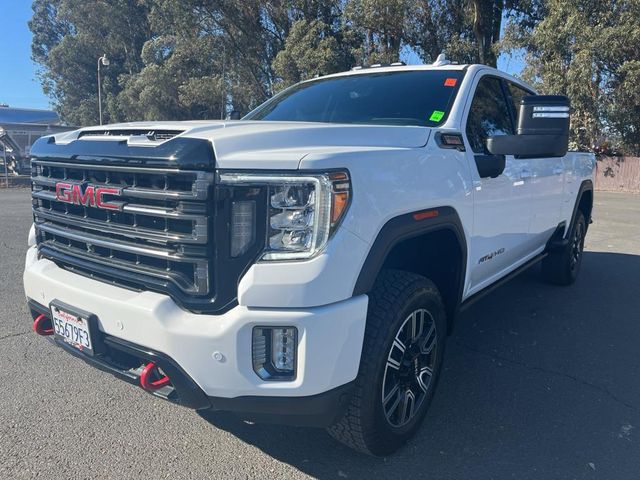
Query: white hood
(280,145)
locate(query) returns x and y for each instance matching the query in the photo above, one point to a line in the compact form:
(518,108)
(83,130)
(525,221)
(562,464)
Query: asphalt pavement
(539,382)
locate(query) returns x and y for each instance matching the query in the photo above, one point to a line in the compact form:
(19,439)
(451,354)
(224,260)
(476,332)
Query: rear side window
(517,94)
(421,98)
(489,114)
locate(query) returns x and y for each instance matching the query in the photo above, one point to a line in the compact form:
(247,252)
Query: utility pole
(103,60)
(224,84)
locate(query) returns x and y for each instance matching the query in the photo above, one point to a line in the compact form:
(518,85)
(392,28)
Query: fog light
(274,352)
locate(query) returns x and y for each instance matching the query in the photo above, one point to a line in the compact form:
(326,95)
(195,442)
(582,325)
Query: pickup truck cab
(305,264)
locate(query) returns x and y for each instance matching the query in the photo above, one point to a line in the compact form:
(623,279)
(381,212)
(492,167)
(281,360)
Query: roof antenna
(441,60)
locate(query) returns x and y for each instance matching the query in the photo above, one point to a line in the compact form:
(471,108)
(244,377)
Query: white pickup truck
(305,264)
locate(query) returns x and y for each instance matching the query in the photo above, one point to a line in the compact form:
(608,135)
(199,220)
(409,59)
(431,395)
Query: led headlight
(302,211)
(242,226)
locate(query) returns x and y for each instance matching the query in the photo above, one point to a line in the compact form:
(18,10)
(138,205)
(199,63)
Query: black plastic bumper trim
(321,410)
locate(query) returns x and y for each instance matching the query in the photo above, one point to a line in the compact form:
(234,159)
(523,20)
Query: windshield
(419,97)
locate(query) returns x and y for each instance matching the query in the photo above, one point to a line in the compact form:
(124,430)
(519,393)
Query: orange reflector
(450,82)
(426,214)
(338,176)
(340,201)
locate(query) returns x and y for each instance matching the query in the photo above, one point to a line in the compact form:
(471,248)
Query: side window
(517,94)
(489,114)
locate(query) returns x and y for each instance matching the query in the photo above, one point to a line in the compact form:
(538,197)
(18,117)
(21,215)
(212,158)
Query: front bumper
(329,342)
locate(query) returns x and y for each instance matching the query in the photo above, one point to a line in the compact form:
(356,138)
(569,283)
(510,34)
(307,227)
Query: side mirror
(234,115)
(543,129)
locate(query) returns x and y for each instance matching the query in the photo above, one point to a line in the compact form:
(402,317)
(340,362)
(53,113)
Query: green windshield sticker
(436,116)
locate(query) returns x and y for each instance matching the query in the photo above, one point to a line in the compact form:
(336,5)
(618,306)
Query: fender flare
(585,186)
(405,227)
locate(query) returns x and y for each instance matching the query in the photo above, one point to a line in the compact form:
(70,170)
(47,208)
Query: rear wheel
(401,359)
(562,267)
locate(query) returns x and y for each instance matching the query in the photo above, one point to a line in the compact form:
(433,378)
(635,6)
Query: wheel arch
(421,242)
(584,204)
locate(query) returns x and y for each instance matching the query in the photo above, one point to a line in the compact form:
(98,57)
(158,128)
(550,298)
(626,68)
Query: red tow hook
(147,373)
(40,325)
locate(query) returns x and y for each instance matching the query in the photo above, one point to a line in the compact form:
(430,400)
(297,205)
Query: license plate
(72,329)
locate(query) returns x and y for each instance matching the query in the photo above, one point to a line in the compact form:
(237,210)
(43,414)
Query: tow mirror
(543,129)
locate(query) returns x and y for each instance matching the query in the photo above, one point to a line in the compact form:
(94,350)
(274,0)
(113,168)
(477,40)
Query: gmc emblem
(91,196)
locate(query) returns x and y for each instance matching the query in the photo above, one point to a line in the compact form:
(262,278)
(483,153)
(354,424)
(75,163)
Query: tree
(383,24)
(590,51)
(468,31)
(182,69)
(68,38)
(318,42)
(307,52)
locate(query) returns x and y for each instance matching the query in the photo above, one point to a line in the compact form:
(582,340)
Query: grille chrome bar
(114,229)
(94,240)
(131,192)
(79,261)
(142,209)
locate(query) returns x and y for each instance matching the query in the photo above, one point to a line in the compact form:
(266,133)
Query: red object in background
(450,82)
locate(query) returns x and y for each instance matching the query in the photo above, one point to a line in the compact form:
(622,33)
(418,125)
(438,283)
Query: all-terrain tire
(562,267)
(398,297)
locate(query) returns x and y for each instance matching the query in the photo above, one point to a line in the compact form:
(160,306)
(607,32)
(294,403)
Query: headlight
(302,211)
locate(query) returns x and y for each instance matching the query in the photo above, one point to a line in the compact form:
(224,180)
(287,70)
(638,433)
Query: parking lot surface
(538,382)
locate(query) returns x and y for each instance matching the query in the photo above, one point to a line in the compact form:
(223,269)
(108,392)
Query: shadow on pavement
(538,382)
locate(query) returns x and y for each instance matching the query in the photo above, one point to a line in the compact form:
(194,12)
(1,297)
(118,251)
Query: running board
(485,291)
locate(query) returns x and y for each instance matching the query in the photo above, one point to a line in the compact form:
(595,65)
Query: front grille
(158,235)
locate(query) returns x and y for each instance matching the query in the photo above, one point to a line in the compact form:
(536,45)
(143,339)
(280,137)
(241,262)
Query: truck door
(501,204)
(546,183)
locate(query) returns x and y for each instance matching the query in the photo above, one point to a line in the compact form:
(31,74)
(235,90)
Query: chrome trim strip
(113,245)
(132,192)
(121,229)
(139,209)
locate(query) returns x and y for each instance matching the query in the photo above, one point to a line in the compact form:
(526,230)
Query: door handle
(525,174)
(558,171)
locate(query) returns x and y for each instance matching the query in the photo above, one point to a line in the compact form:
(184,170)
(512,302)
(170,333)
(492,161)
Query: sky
(19,86)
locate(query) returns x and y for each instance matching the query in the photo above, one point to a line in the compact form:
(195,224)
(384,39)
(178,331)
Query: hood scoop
(133,136)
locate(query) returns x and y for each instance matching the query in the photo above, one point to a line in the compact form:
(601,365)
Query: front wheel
(401,359)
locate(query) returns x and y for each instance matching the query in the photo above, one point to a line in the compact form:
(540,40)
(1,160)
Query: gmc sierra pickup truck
(305,264)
